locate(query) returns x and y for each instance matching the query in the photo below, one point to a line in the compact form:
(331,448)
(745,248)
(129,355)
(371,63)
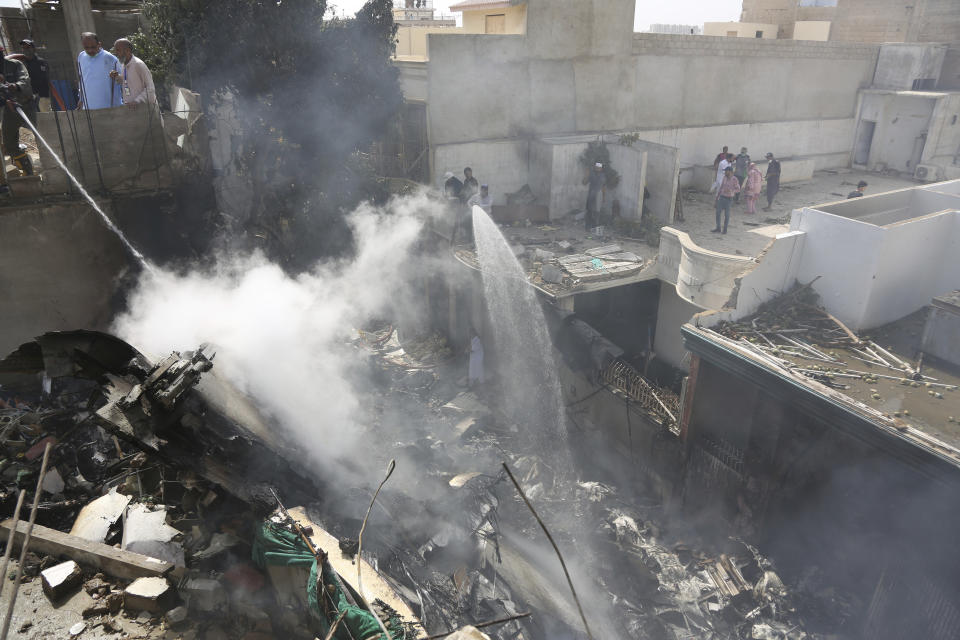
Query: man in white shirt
(135,78)
(727,161)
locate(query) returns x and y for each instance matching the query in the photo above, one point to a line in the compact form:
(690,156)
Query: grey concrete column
(79,18)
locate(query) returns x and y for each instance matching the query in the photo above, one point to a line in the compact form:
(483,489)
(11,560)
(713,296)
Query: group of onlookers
(738,175)
(106,80)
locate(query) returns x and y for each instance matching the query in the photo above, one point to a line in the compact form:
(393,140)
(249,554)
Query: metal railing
(661,403)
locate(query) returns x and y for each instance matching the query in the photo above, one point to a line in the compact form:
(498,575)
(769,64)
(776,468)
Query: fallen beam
(112,561)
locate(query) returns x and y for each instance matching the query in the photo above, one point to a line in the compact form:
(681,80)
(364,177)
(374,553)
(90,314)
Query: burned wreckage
(238,537)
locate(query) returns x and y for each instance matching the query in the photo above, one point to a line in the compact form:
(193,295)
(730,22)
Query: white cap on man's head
(448,175)
(599,165)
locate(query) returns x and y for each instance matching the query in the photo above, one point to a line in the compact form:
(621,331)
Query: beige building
(740,29)
(859,20)
(493,16)
(415,20)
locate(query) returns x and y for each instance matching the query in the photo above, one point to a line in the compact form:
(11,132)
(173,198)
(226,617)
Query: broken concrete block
(542,255)
(468,633)
(96,609)
(153,595)
(203,594)
(94,521)
(551,273)
(52,482)
(61,580)
(114,601)
(565,246)
(96,585)
(176,615)
(78,628)
(146,532)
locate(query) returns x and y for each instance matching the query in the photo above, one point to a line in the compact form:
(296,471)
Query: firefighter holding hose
(17,91)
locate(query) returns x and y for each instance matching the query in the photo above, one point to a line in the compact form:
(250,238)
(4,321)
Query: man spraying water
(17,93)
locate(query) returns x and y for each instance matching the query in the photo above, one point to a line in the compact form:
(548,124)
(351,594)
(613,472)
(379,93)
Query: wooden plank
(110,560)
(374,586)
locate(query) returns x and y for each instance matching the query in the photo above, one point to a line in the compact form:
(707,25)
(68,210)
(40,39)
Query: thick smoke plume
(284,340)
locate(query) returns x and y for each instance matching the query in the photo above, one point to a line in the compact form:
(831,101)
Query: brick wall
(668,44)
(866,20)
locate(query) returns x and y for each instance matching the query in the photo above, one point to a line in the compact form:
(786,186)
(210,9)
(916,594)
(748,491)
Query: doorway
(496,23)
(861,154)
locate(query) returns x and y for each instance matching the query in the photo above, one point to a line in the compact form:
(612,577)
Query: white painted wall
(871,275)
(842,254)
(943,140)
(775,273)
(917,262)
(672,313)
(900,63)
(702,277)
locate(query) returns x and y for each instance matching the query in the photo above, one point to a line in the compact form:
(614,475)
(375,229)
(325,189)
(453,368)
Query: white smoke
(285,340)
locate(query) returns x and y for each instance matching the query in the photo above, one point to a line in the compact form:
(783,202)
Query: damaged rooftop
(483,327)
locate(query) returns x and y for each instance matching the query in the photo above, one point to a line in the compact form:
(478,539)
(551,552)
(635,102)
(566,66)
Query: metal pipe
(26,542)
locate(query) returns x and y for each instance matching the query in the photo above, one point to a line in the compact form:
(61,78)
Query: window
(924,84)
(496,23)
(759,34)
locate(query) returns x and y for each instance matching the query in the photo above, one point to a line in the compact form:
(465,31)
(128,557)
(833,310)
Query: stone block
(176,615)
(61,580)
(203,594)
(154,595)
(551,273)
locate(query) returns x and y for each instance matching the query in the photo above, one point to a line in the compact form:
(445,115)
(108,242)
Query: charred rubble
(168,462)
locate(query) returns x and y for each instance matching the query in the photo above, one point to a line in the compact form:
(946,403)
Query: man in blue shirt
(97,88)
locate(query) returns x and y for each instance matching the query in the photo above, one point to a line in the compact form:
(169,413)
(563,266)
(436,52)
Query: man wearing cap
(729,187)
(451,186)
(861,187)
(39,73)
(17,92)
(135,78)
(97,88)
(482,199)
(597,181)
(773,180)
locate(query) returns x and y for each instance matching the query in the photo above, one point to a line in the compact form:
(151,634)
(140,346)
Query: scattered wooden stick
(333,627)
(563,564)
(383,628)
(13,531)
(26,542)
(481,625)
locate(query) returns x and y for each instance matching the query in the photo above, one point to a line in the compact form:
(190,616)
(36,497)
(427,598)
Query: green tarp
(276,545)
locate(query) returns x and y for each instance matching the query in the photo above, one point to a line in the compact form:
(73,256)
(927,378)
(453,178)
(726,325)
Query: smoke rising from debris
(282,339)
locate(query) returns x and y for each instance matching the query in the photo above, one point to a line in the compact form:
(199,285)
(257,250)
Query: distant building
(859,20)
(740,29)
(676,29)
(419,12)
(493,16)
(415,19)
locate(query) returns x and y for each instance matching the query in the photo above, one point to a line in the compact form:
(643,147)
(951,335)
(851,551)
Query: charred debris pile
(177,511)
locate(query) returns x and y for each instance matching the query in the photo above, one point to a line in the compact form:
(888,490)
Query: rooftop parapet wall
(516,87)
(669,44)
